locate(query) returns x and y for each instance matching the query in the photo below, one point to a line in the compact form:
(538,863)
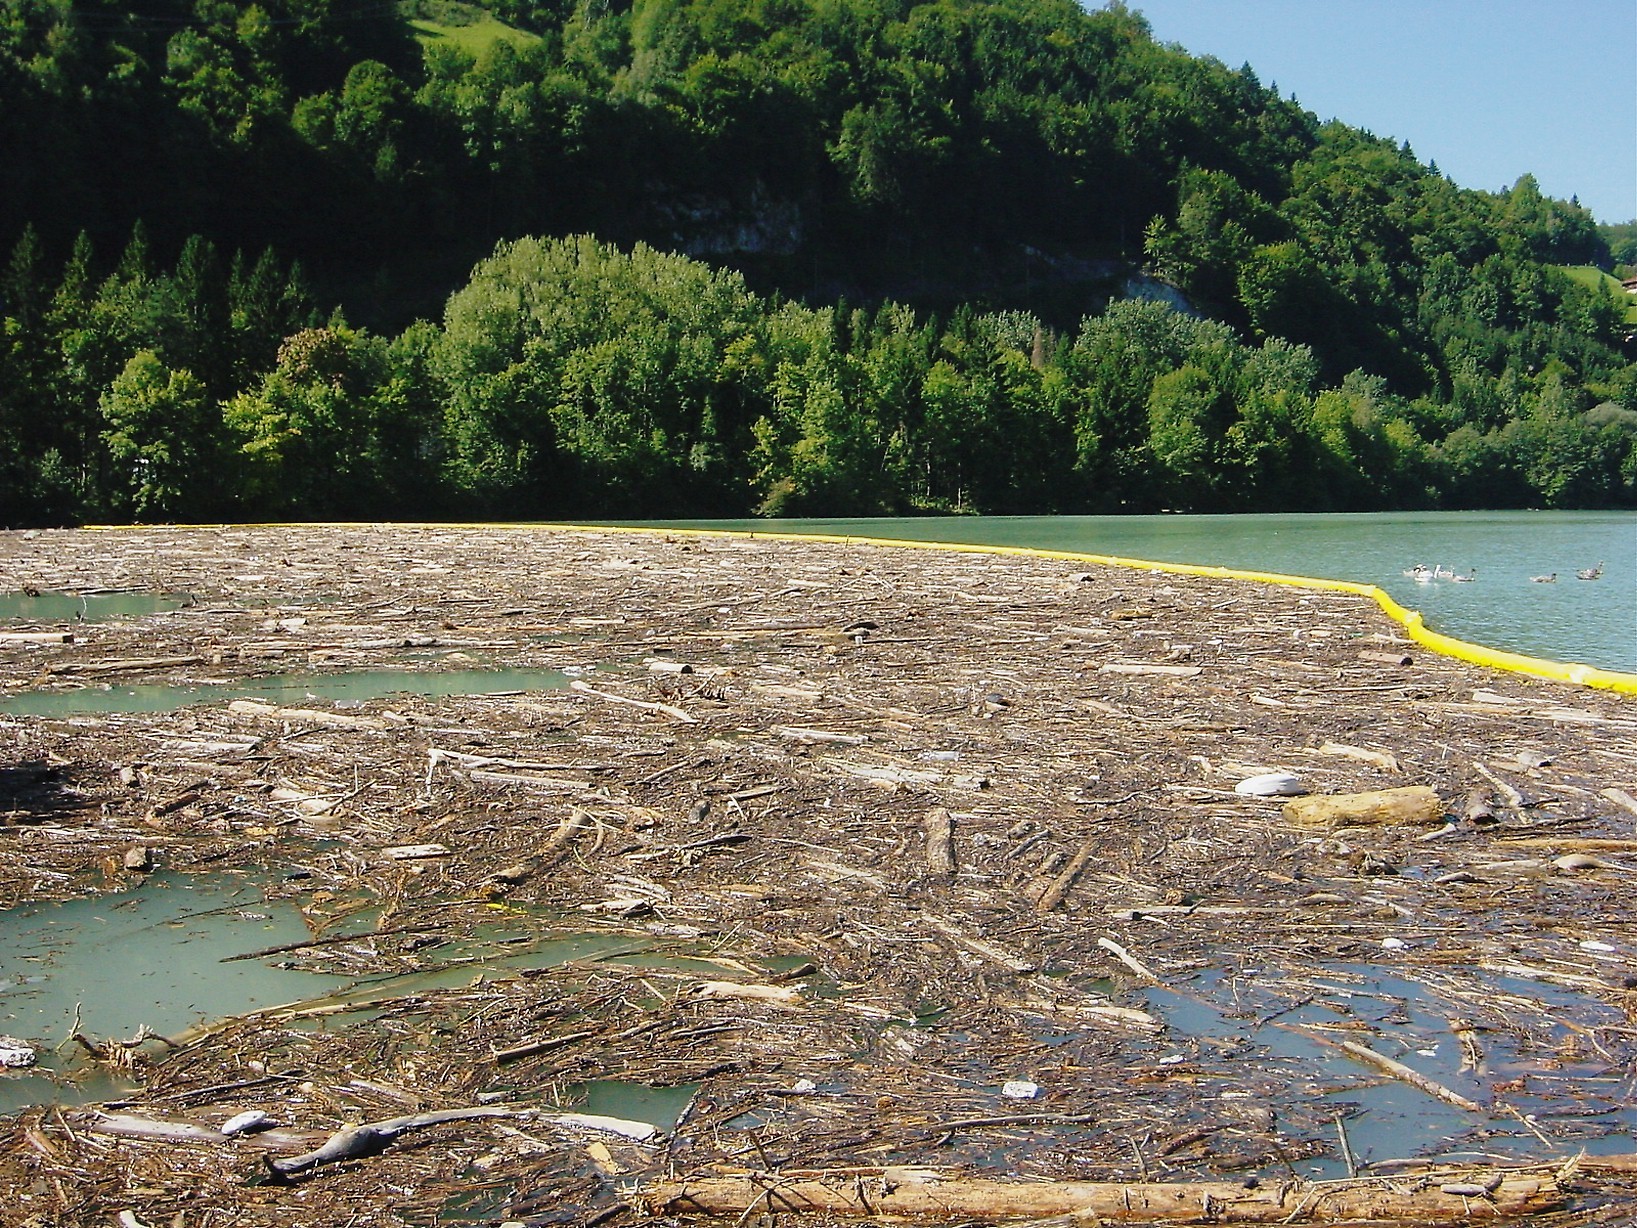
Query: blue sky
(1487,89)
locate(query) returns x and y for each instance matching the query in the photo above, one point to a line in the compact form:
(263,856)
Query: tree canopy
(674,257)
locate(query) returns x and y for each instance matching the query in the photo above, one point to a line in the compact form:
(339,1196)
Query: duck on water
(1423,574)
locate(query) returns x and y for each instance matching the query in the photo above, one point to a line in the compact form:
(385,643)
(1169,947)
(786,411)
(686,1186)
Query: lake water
(87,607)
(354,686)
(1589,622)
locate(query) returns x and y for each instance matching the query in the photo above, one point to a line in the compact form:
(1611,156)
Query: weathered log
(36,637)
(1059,888)
(995,954)
(773,995)
(801,733)
(572,824)
(891,775)
(636,1131)
(328,940)
(1150,667)
(307,716)
(1129,960)
(660,665)
(1621,798)
(531,1047)
(1452,1197)
(1513,798)
(373,1137)
(355,1142)
(130,665)
(1396,1069)
(551,784)
(462,759)
(675,713)
(1379,758)
(129,1125)
(1416,804)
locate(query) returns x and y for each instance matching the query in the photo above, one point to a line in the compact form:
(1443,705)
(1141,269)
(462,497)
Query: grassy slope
(1591,278)
(475,38)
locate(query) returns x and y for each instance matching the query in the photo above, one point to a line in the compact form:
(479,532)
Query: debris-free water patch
(169,958)
(116,967)
(660,1107)
(355,686)
(38,607)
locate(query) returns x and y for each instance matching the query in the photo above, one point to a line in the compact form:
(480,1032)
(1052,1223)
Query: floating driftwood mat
(801,878)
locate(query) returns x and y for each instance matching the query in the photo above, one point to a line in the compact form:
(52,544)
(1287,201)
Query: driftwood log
(1449,1197)
(373,1137)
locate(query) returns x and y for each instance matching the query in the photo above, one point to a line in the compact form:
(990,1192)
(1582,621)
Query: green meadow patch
(474,37)
(1591,277)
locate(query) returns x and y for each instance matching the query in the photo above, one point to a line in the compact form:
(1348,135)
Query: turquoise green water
(353,687)
(1591,622)
(85,607)
(162,956)
(110,965)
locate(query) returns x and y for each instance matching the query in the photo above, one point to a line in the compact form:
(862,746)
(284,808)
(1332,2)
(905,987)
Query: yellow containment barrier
(1410,620)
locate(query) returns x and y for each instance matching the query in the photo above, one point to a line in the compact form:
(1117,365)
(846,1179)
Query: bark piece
(1414,804)
(940,849)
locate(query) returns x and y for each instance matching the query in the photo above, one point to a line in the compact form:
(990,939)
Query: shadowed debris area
(832,881)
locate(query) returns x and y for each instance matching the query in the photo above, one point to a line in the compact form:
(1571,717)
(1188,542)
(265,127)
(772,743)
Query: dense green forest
(607,258)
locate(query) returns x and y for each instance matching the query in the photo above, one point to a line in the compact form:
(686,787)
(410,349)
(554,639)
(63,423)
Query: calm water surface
(353,686)
(1592,622)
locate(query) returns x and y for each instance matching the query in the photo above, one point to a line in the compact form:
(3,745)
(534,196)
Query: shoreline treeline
(912,229)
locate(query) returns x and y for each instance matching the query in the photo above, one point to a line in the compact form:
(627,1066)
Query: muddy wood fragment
(940,848)
(1386,658)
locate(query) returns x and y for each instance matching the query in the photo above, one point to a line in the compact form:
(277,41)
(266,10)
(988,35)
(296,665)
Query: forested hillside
(308,258)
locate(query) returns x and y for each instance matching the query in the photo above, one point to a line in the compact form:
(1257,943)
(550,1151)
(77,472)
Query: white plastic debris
(414,852)
(1598,947)
(1394,944)
(1020,1089)
(804,1087)
(15,1053)
(1272,784)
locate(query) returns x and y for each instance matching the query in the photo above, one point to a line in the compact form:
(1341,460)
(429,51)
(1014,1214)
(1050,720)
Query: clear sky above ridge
(1487,89)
